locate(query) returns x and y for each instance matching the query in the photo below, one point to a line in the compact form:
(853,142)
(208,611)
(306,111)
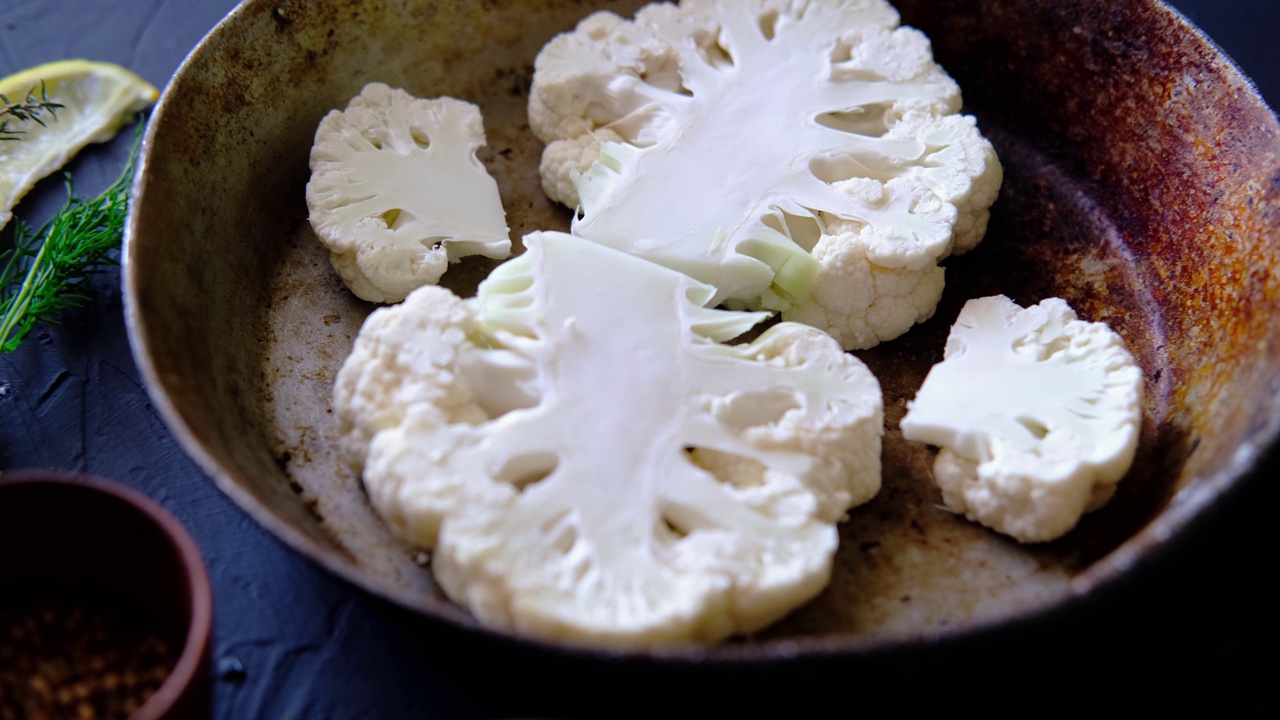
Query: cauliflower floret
(741,120)
(406,363)
(960,167)
(610,483)
(861,303)
(1037,413)
(564,160)
(397,193)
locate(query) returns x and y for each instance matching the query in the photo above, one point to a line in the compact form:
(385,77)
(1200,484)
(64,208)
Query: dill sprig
(47,270)
(29,109)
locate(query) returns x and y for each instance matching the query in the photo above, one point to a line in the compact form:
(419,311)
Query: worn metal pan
(1142,184)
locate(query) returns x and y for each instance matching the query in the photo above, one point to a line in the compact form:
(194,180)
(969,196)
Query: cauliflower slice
(615,481)
(397,193)
(735,135)
(1037,414)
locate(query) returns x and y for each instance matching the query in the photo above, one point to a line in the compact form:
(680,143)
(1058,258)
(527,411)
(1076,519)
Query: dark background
(293,642)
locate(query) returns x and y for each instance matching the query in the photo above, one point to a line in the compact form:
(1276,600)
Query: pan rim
(1138,552)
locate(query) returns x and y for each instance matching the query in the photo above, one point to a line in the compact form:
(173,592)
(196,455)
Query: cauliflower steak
(1037,413)
(590,461)
(397,193)
(728,139)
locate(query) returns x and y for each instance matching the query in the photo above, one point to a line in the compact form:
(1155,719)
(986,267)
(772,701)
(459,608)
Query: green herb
(47,270)
(27,110)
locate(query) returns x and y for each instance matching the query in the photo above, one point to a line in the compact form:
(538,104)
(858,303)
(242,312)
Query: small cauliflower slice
(736,135)
(1037,414)
(397,193)
(592,463)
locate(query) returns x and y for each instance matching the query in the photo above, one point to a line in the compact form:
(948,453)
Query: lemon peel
(96,98)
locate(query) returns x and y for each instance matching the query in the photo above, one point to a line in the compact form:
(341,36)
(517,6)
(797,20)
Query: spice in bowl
(77,652)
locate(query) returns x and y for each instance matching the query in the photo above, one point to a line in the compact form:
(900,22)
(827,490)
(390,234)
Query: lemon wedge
(97,98)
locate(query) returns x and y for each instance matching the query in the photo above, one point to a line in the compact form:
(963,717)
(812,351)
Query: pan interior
(1145,199)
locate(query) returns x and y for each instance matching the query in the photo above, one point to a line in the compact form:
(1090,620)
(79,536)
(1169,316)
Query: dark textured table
(294,642)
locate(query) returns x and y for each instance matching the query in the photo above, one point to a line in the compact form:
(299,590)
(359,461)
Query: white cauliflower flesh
(397,193)
(591,463)
(736,136)
(1037,414)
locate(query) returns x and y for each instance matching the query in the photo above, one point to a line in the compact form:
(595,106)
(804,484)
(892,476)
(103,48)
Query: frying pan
(1142,184)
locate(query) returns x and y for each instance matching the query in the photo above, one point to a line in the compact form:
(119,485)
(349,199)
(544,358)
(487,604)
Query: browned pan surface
(1142,184)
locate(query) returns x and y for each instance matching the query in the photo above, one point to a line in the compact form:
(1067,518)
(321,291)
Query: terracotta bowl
(1142,185)
(63,533)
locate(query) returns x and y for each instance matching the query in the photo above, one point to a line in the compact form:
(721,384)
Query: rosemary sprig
(47,270)
(28,110)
